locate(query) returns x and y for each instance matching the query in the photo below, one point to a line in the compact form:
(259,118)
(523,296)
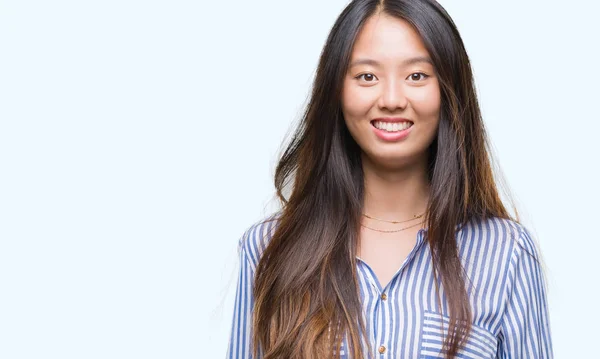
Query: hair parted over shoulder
(306,287)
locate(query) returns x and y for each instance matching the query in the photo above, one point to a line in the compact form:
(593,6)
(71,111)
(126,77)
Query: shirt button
(381,349)
(384,296)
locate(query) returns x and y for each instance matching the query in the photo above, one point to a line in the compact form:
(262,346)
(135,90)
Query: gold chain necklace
(395,222)
(392,231)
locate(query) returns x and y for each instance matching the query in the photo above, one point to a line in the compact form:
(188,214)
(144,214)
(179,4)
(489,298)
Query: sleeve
(525,330)
(240,337)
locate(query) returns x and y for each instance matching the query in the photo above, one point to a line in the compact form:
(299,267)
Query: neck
(395,194)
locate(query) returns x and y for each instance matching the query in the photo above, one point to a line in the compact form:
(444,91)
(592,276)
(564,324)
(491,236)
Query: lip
(391,119)
(392,136)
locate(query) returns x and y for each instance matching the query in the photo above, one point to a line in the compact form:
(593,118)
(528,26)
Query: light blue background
(138,140)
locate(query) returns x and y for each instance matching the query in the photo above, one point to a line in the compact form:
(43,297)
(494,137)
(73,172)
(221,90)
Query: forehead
(386,38)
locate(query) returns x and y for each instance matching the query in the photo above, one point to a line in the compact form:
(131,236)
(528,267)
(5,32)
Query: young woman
(394,242)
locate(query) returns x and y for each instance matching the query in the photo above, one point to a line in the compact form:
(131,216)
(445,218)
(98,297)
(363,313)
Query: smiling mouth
(391,126)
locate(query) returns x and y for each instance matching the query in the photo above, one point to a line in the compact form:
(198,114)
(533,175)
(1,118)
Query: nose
(392,96)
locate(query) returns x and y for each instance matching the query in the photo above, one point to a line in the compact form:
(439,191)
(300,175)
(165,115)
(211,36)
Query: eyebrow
(407,62)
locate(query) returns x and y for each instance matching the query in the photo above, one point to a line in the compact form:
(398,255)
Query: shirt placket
(384,341)
(381,312)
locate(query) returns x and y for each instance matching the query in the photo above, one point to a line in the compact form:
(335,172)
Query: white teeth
(392,127)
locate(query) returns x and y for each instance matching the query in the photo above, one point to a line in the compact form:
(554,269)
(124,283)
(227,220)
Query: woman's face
(390,78)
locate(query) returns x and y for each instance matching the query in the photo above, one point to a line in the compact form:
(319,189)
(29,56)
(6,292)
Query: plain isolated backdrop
(138,141)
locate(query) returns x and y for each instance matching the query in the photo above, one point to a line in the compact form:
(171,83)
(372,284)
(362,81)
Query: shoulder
(256,237)
(495,240)
(495,230)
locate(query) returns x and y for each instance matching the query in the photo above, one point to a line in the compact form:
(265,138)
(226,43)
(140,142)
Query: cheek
(427,103)
(355,103)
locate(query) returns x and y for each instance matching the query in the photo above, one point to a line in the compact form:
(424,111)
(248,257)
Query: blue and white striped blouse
(508,299)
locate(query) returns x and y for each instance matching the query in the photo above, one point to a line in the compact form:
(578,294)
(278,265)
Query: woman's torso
(403,319)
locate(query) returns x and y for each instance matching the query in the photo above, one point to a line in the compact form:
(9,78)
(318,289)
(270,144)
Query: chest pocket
(480,343)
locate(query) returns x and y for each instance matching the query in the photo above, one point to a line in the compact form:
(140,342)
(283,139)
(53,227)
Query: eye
(368,77)
(416,75)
